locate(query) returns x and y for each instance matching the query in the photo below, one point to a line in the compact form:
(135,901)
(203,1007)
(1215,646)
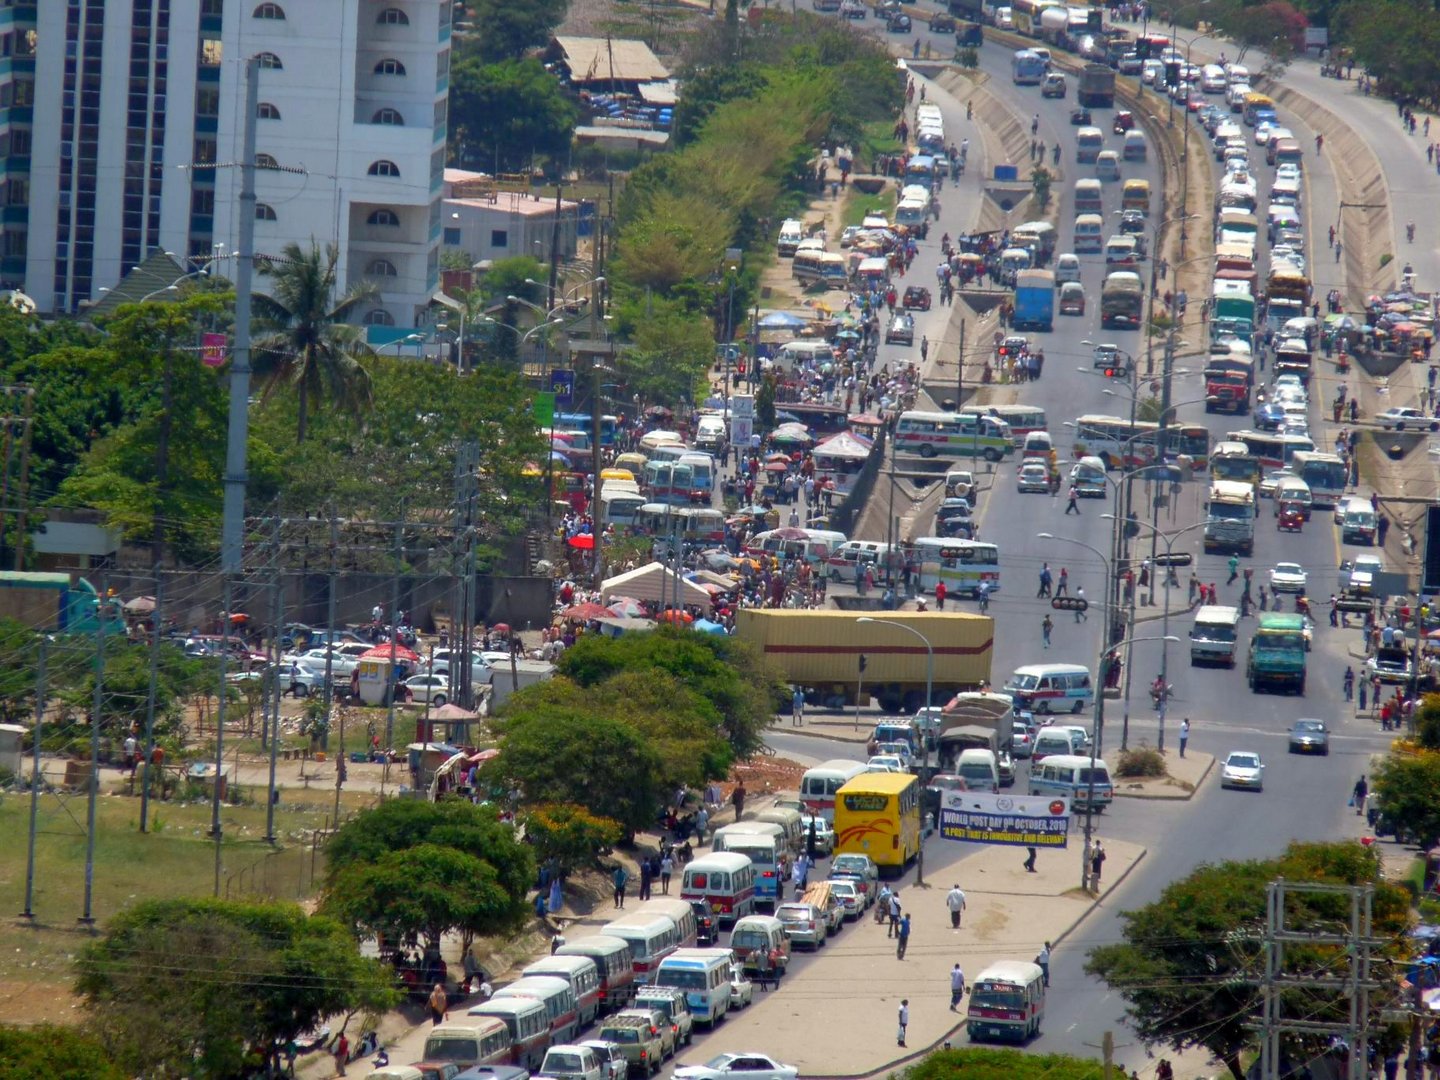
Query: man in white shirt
(1043,960)
(957,986)
(955,901)
(904,1021)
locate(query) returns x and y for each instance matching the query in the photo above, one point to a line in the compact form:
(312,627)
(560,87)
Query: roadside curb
(1184,796)
(948,1036)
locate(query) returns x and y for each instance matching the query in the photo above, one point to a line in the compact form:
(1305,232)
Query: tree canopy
(236,976)
(1408,787)
(507,29)
(507,114)
(1189,963)
(975,1063)
(49,1050)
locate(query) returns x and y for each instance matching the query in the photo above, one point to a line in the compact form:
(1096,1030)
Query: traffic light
(1142,49)
(1070,603)
(862,663)
(1114,371)
(1172,73)
(1093,20)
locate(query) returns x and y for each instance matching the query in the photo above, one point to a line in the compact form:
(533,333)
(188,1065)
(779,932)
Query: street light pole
(924,742)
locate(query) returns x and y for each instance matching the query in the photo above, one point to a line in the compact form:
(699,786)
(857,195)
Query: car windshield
(1243,761)
(749,939)
(1309,725)
(1288,568)
(622,1035)
(719,1062)
(440,1048)
(569,1063)
(852,863)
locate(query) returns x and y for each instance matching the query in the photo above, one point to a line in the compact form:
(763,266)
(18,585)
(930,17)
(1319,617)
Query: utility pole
(394,627)
(273,691)
(960,370)
(87,915)
(29,912)
(554,255)
(595,509)
(328,699)
(232,547)
(155,617)
(217,831)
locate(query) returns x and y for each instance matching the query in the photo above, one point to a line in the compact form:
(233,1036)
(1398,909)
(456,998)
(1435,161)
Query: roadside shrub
(1140,764)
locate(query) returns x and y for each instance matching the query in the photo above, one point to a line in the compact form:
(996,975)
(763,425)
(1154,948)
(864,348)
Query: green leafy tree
(706,89)
(728,673)
(396,824)
(504,115)
(1408,787)
(50,1050)
(672,351)
(973,1063)
(306,341)
(516,276)
(1427,722)
(569,755)
(1189,963)
(506,29)
(570,835)
(765,402)
(236,976)
(427,891)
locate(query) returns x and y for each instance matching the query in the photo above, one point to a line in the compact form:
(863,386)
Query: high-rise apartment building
(121,126)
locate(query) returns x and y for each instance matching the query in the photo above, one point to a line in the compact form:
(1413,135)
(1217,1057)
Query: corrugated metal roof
(605,59)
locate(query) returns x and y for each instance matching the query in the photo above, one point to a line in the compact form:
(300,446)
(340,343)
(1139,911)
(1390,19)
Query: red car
(917,298)
(1291,518)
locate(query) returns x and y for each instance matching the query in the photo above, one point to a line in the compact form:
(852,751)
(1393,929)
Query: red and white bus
(724,882)
(820,783)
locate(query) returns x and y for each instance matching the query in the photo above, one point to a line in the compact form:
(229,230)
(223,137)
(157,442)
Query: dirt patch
(990,925)
(35,1001)
(765,775)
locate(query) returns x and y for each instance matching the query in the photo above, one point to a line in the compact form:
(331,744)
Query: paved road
(1304,799)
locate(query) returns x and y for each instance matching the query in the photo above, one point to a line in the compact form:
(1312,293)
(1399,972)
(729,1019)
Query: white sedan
(1402,417)
(1243,769)
(1272,481)
(748,1065)
(1288,577)
(885,763)
(1287,170)
(742,990)
(824,833)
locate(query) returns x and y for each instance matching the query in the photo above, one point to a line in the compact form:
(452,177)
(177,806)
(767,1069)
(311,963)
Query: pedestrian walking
(1045,580)
(1358,795)
(957,986)
(1349,683)
(797,708)
(342,1054)
(797,877)
(904,1021)
(902,937)
(1046,625)
(1073,506)
(439,1002)
(647,875)
(1363,685)
(1338,249)
(955,901)
(894,914)
(940,593)
(1097,863)
(667,870)
(737,800)
(1062,584)
(620,877)
(1184,734)
(1234,566)
(1030,859)
(1080,614)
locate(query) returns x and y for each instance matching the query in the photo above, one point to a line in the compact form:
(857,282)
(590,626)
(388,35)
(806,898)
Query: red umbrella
(585,612)
(382,652)
(583,541)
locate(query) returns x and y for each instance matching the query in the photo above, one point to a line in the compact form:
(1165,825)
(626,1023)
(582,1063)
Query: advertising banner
(979,817)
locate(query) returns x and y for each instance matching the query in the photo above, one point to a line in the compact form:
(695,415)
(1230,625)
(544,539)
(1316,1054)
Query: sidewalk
(1185,775)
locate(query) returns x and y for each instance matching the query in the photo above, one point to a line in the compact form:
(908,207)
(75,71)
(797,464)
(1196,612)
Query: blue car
(1269,416)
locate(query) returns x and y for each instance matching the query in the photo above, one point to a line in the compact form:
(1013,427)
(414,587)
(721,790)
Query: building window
(267,111)
(270,60)
(207,101)
(499,238)
(202,201)
(266,161)
(264,212)
(389,66)
(388,116)
(212,7)
(379,317)
(384,168)
(383,216)
(381,268)
(269,11)
(452,237)
(393,17)
(212,52)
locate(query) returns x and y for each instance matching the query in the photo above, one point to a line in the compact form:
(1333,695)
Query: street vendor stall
(840,459)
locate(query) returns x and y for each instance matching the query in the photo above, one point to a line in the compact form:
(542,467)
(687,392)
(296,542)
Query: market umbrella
(585,612)
(626,608)
(705,626)
(450,711)
(382,652)
(660,412)
(781,320)
(141,605)
(790,436)
(583,541)
(671,615)
(778,466)
(484,755)
(501,628)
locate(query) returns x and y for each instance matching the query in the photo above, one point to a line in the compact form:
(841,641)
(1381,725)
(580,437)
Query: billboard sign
(981,817)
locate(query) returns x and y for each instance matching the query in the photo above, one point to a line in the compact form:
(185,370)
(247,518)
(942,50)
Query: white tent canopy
(649,582)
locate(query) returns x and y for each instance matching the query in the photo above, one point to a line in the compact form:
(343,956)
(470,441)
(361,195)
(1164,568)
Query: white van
(791,233)
(853,556)
(1135,148)
(1107,165)
(1089,196)
(710,433)
(1089,234)
(724,882)
(651,938)
(768,855)
(1051,688)
(979,770)
(555,994)
(1067,268)
(583,975)
(704,977)
(473,1041)
(1037,445)
(795,354)
(1049,742)
(1088,478)
(787,819)
(1071,775)
(1214,635)
(1212,79)
(758,936)
(1089,141)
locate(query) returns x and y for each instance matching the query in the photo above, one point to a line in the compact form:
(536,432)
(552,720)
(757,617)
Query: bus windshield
(684,978)
(991,996)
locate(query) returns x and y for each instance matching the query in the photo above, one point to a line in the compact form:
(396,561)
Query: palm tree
(306,340)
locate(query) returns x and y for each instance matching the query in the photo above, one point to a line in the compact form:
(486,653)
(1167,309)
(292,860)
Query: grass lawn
(176,858)
(858,204)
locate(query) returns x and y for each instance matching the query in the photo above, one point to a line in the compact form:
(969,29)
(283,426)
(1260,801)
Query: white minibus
(583,975)
(704,976)
(561,1006)
(1052,688)
(1085,783)
(724,881)
(820,783)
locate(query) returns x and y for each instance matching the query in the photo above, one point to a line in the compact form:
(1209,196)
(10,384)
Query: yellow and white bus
(953,435)
(961,564)
(878,814)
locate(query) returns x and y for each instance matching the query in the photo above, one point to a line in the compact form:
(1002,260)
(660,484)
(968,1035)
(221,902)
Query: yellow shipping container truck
(821,650)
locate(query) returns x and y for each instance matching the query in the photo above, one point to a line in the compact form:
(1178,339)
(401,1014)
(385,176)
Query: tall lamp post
(924,743)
